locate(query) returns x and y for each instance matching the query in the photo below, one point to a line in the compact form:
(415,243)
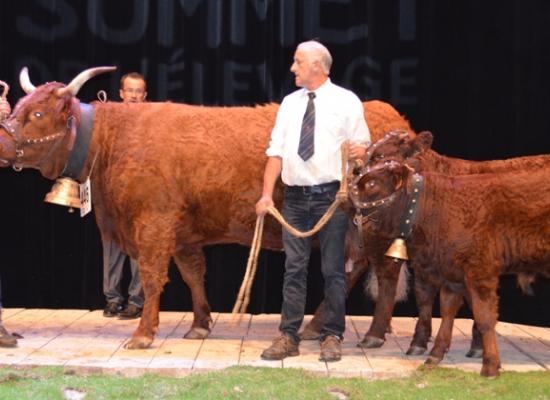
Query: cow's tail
(524,281)
(402,291)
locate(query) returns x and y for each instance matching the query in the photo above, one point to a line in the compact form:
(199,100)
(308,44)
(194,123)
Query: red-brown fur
(416,152)
(468,230)
(168,179)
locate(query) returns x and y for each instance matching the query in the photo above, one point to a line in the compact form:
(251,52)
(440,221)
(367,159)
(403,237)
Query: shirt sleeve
(276,144)
(359,131)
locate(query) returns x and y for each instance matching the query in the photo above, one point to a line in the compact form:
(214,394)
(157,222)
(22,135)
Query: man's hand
(263,204)
(356,151)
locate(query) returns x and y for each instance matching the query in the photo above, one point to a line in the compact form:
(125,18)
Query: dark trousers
(113,264)
(303,207)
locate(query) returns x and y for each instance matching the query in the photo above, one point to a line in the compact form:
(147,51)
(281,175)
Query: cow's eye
(38,114)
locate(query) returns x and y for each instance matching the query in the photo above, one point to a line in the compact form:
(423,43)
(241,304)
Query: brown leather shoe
(130,312)
(331,349)
(282,346)
(6,339)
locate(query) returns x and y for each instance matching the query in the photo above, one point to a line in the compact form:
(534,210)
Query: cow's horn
(75,85)
(25,81)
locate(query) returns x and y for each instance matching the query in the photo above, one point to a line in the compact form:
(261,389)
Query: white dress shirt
(339,116)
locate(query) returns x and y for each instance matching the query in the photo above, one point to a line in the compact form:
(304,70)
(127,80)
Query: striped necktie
(306,148)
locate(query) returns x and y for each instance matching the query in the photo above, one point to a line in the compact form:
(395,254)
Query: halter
(14,130)
(365,210)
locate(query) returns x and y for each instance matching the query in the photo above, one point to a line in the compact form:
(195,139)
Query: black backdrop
(473,72)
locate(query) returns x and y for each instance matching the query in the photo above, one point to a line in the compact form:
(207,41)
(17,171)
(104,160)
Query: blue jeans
(302,209)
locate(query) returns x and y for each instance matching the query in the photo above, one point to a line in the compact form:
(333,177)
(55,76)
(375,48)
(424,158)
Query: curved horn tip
(75,85)
(25,81)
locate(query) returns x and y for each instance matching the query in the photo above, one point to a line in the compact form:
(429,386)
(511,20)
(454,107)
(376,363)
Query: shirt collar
(319,90)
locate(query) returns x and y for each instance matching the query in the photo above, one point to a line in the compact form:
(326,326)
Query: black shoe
(111,309)
(130,312)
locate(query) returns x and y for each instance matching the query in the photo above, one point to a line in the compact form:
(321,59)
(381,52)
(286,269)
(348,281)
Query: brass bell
(65,192)
(398,250)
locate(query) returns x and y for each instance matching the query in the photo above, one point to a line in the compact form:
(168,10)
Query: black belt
(315,189)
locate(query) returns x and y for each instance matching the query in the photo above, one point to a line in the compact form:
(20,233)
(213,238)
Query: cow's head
(378,185)
(40,132)
(398,146)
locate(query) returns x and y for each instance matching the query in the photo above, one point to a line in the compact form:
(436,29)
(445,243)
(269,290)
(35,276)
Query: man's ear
(144,95)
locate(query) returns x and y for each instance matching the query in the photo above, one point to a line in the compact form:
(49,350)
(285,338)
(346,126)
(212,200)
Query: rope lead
(243,297)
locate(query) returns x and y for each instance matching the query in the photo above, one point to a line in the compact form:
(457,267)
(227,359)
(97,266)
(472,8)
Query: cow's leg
(450,302)
(388,275)
(153,269)
(312,330)
(192,267)
(476,345)
(425,293)
(484,306)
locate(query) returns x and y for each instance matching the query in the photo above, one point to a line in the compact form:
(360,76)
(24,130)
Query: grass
(270,383)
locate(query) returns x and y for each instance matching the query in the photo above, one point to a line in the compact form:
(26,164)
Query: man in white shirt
(312,123)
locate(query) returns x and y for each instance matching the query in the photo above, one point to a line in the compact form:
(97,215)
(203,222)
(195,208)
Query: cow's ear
(422,142)
(399,173)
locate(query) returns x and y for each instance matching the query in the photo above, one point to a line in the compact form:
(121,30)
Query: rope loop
(243,297)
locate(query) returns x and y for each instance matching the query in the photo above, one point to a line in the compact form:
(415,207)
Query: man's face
(303,69)
(133,91)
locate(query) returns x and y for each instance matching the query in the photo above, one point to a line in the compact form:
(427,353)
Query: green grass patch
(270,383)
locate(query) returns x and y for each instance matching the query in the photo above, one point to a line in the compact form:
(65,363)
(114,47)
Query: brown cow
(166,178)
(467,230)
(416,152)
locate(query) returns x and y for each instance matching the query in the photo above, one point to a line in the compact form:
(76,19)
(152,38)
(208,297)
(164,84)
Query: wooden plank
(528,354)
(389,361)
(7,313)
(177,355)
(308,358)
(38,327)
(354,362)
(133,361)
(262,330)
(38,336)
(539,332)
(222,349)
(86,341)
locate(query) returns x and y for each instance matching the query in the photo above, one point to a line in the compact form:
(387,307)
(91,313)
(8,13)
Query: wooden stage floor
(83,341)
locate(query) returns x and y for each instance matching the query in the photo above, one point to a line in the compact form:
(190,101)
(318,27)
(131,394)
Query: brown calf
(467,231)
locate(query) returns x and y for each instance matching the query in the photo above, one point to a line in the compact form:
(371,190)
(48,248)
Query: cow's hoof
(371,342)
(432,360)
(138,342)
(309,334)
(416,350)
(475,353)
(197,333)
(489,371)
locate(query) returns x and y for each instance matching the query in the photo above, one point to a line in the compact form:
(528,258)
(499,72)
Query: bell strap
(79,153)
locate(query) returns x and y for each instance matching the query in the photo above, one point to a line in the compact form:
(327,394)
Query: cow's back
(501,217)
(201,167)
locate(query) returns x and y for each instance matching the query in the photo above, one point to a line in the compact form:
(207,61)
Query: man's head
(133,88)
(311,66)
